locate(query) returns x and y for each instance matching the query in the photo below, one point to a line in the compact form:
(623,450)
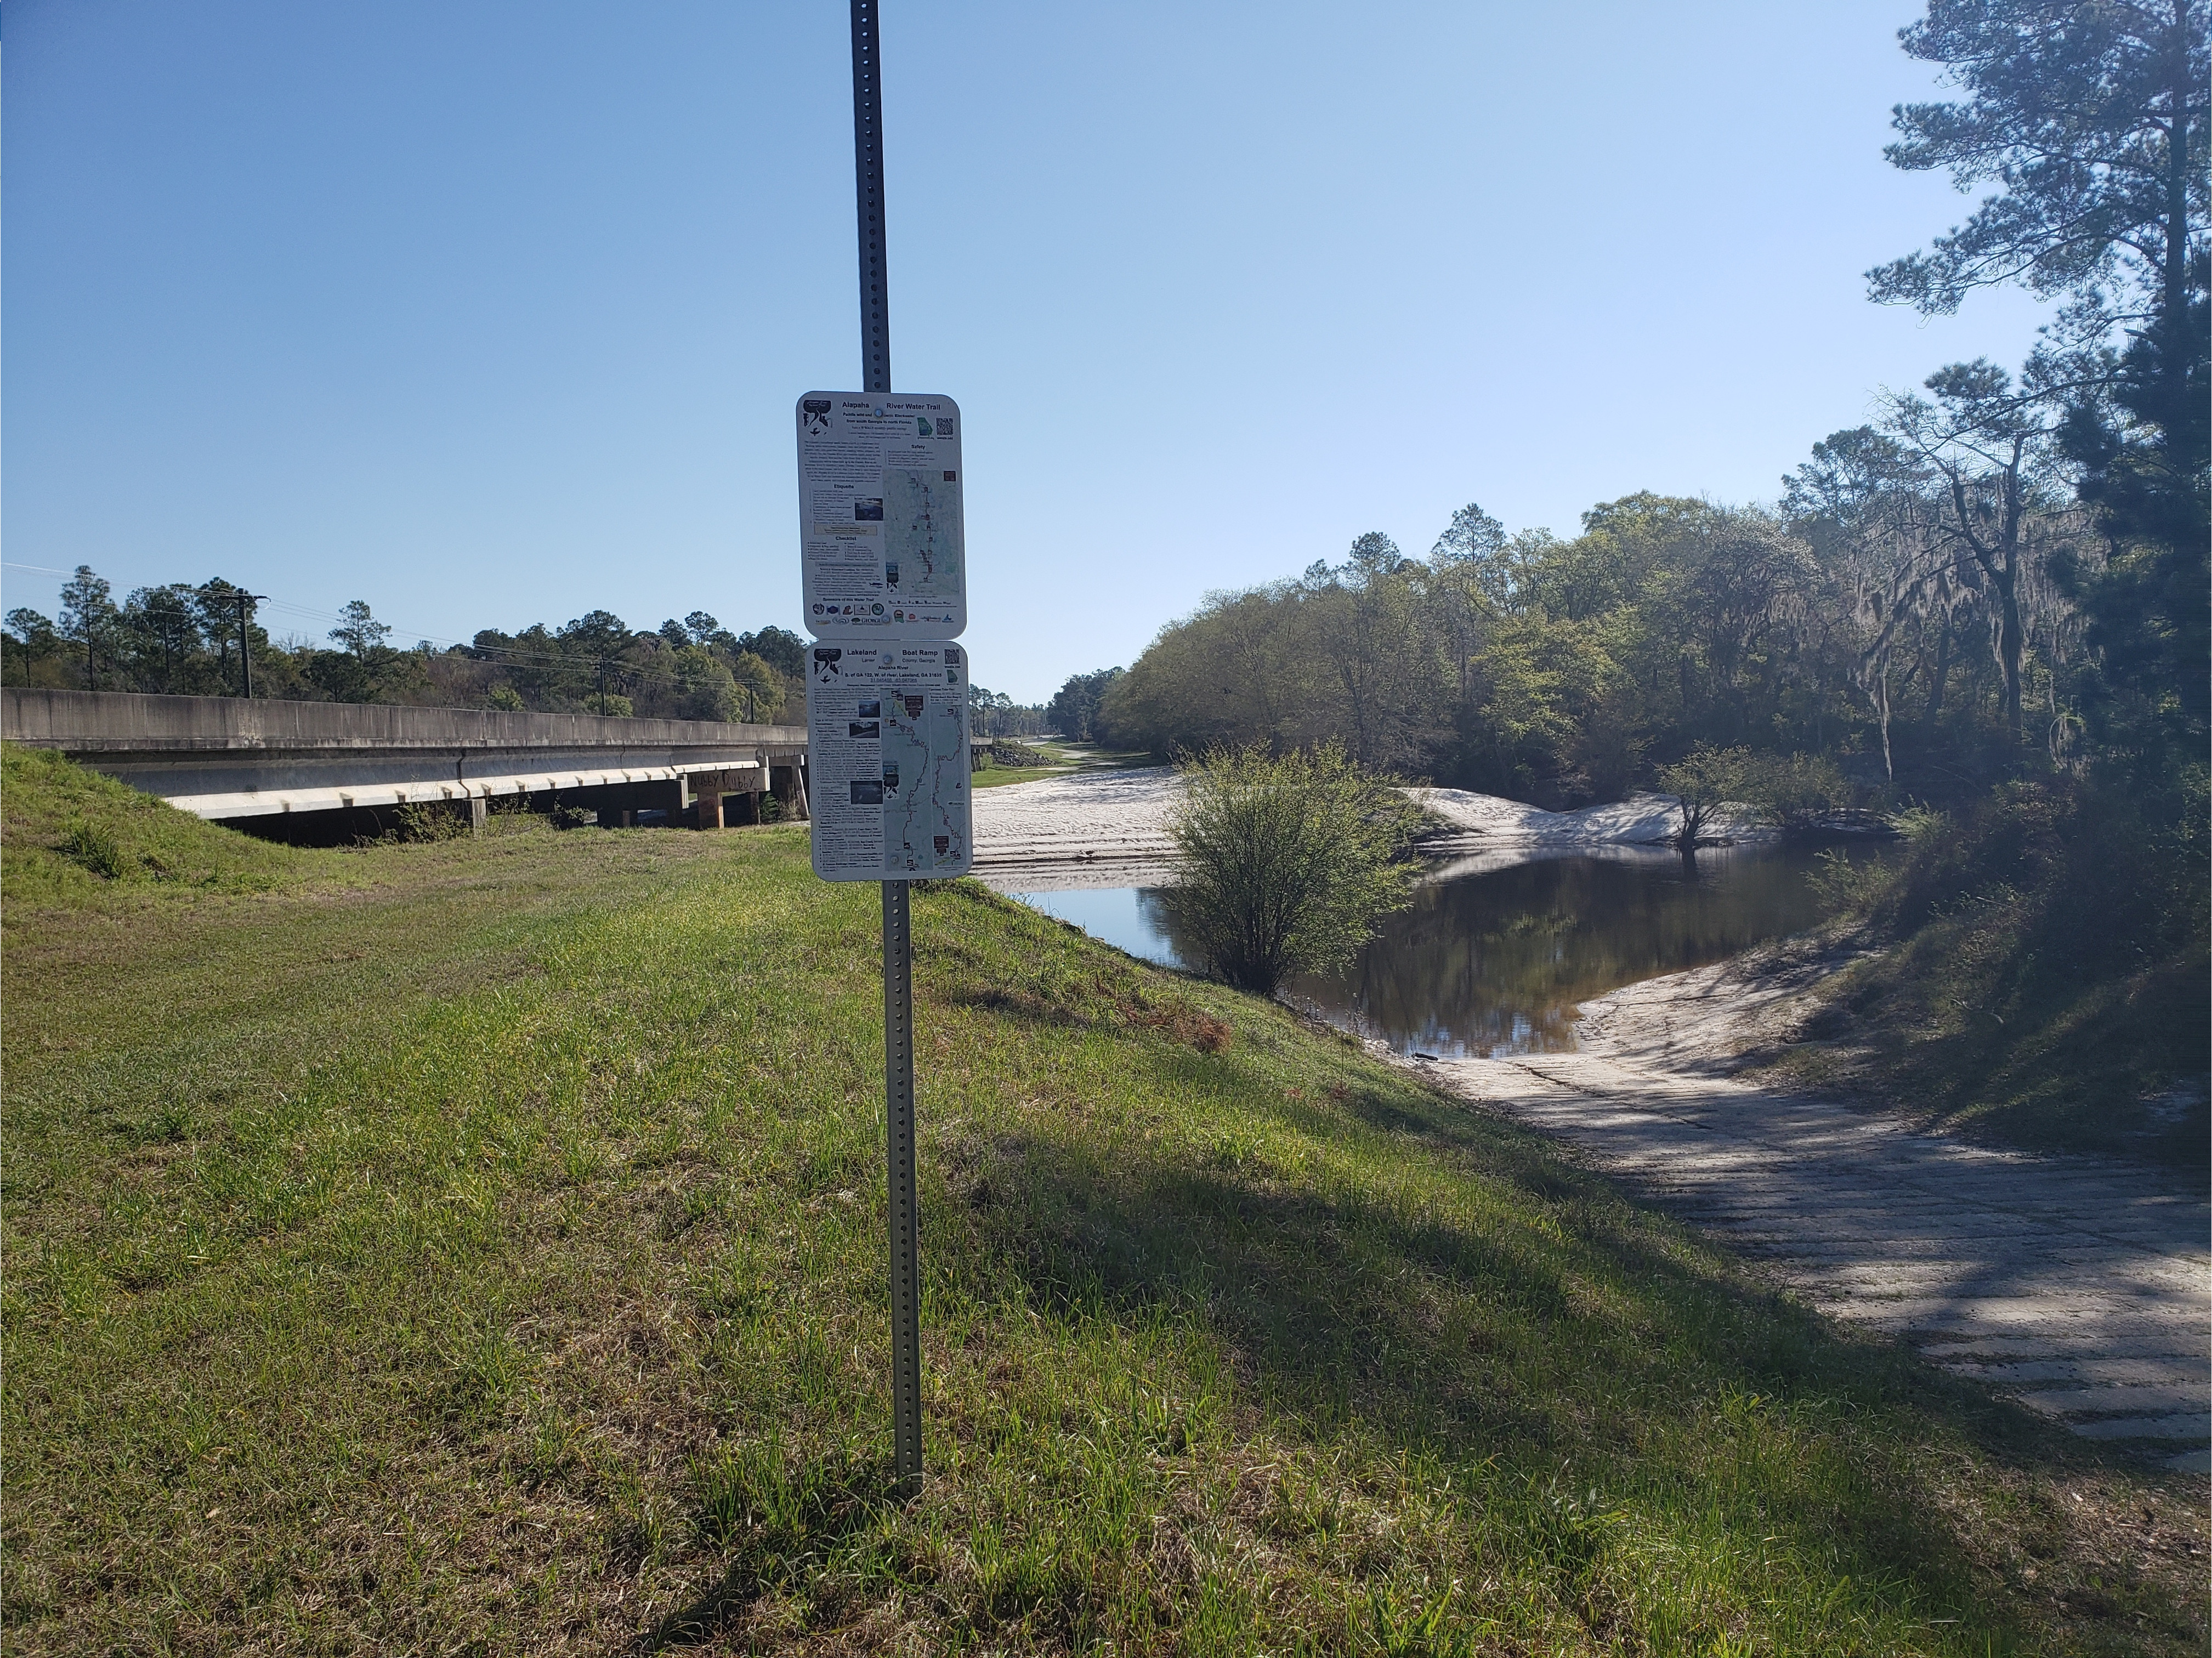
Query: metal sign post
(884,571)
(898,938)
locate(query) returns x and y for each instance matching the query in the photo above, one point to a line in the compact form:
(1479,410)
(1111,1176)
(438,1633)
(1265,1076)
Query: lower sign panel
(887,762)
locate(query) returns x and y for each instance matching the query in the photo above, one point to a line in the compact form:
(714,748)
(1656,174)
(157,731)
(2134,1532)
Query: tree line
(1852,621)
(205,640)
(2004,575)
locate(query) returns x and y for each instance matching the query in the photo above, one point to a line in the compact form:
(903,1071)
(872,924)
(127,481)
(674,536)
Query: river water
(1496,961)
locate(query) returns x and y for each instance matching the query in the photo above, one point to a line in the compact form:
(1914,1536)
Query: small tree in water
(1288,862)
(1792,792)
(1701,783)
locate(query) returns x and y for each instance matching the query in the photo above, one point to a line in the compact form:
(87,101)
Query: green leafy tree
(1073,711)
(2144,467)
(759,688)
(705,687)
(34,630)
(2091,120)
(1796,791)
(1380,661)
(1702,782)
(2094,122)
(1287,862)
(160,620)
(33,652)
(358,629)
(780,648)
(88,618)
(1986,445)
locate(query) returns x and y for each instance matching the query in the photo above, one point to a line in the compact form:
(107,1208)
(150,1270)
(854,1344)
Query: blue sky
(492,313)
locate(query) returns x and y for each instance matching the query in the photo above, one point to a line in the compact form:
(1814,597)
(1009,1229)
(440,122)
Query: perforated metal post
(868,167)
(898,940)
(905,1215)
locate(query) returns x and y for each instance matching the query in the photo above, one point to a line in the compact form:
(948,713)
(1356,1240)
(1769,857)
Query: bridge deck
(222,756)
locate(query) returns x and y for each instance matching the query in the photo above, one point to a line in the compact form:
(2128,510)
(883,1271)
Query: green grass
(2044,981)
(997,777)
(1070,757)
(477,1246)
(115,845)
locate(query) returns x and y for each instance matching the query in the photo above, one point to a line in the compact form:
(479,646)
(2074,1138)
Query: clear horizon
(493,317)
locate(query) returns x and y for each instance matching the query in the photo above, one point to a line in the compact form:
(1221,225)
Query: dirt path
(2077,1285)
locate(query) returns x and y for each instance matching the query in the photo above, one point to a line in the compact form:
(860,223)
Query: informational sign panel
(881,538)
(887,761)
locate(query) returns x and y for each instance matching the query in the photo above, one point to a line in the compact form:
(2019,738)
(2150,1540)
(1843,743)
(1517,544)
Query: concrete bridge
(227,758)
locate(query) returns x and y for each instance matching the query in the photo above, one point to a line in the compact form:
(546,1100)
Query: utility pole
(898,936)
(245,603)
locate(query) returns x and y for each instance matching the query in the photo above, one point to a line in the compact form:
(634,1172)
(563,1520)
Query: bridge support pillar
(477,813)
(709,809)
(788,784)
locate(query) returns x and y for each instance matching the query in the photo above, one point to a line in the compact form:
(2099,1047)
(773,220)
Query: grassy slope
(166,855)
(2044,985)
(481,1242)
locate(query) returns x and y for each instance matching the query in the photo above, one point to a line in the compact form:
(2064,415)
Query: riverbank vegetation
(477,1245)
(2044,979)
(1989,606)
(1287,861)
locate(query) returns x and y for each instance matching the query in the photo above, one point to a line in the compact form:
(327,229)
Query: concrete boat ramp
(2078,1286)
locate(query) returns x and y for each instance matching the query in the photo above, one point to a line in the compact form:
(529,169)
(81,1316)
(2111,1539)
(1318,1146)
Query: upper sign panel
(882,542)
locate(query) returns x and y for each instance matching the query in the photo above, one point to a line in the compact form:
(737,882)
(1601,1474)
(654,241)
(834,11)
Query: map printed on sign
(882,547)
(887,761)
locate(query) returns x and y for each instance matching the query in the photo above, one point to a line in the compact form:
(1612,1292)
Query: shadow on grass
(1599,1339)
(775,1516)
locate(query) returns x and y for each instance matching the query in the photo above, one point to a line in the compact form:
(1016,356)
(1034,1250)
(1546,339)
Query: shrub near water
(1287,861)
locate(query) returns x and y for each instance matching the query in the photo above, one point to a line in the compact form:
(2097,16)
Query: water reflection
(1496,961)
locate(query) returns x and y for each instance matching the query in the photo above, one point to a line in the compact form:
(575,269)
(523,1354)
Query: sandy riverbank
(1475,821)
(1110,829)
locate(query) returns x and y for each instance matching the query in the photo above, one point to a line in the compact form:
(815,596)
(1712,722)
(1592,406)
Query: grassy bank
(2044,979)
(1060,758)
(478,1246)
